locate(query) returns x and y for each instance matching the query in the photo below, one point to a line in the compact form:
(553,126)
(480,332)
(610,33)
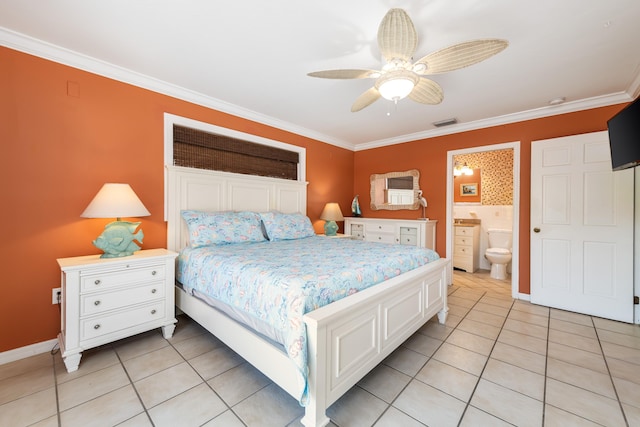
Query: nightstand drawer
(109,279)
(103,325)
(94,303)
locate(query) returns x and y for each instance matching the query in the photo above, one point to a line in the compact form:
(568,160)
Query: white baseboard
(27,351)
(524,297)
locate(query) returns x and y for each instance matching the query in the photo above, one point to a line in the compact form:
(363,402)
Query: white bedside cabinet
(106,299)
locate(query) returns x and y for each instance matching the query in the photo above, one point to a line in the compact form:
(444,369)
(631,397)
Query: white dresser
(402,231)
(106,299)
(466,247)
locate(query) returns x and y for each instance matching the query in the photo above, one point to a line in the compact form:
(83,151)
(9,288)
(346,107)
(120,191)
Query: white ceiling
(251,57)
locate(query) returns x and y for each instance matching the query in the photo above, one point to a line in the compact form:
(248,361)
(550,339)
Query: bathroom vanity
(466,244)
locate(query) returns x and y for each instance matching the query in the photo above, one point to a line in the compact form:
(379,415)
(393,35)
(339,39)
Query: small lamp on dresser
(117,201)
(331,213)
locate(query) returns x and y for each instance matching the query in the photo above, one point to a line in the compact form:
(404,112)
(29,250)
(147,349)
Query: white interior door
(582,228)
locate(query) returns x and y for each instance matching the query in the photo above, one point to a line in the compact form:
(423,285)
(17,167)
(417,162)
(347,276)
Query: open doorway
(515,146)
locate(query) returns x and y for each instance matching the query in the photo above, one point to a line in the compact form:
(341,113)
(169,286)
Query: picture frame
(469,189)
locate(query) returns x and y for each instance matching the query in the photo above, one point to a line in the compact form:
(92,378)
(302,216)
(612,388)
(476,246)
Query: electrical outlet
(56,295)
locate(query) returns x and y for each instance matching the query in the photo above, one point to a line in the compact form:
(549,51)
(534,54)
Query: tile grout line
(210,387)
(135,390)
(606,363)
(412,378)
(53,353)
(546,367)
(475,388)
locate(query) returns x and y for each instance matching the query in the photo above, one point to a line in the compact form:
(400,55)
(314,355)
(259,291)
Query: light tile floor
(497,362)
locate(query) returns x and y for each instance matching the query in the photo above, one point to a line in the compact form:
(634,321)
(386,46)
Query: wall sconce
(117,201)
(331,213)
(462,170)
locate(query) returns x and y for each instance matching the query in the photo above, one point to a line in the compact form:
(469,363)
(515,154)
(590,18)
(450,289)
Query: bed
(345,338)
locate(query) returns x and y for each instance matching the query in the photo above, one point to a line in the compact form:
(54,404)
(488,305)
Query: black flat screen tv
(624,137)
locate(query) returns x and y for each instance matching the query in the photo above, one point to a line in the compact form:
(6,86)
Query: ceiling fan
(399,78)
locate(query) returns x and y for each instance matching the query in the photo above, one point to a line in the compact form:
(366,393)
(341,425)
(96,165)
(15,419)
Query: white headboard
(189,188)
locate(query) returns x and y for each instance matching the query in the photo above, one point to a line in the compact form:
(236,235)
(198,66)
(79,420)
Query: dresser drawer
(381,228)
(408,239)
(357,231)
(408,231)
(381,238)
(102,325)
(110,279)
(463,231)
(96,302)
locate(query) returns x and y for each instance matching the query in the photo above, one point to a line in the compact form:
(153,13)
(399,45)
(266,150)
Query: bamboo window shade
(203,150)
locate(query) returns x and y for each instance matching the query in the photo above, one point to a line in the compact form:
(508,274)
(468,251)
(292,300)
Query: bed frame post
(315,415)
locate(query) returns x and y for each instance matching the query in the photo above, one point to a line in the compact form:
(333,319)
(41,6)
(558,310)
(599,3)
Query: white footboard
(348,338)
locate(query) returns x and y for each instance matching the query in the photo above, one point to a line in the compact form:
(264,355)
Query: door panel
(582,252)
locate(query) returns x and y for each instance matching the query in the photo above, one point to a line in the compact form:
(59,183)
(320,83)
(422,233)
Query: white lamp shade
(115,201)
(332,212)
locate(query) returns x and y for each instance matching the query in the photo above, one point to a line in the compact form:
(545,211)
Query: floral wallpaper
(496,176)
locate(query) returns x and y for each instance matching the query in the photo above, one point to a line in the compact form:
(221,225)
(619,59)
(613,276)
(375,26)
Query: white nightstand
(337,236)
(106,299)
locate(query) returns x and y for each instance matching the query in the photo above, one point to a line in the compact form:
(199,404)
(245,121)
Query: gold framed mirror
(395,190)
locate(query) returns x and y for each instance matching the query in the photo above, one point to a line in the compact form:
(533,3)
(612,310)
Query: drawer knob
(153,291)
(97,282)
(153,311)
(96,302)
(96,326)
(153,273)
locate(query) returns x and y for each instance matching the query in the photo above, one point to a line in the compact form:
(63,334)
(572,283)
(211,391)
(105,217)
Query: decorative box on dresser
(106,299)
(403,231)
(466,246)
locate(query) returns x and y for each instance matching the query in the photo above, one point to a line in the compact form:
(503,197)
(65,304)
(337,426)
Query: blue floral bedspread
(278,282)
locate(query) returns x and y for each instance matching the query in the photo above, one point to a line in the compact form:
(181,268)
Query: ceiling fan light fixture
(396,85)
(396,89)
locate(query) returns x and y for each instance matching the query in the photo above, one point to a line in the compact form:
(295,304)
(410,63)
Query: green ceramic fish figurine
(117,239)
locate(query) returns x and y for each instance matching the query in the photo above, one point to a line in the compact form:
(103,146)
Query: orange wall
(429,156)
(65,132)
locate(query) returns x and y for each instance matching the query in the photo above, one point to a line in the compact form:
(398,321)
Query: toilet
(499,252)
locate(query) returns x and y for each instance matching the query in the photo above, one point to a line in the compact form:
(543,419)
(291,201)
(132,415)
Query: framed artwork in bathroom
(469,189)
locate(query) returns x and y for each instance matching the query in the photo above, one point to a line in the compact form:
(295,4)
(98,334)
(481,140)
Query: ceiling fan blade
(461,55)
(397,37)
(346,74)
(427,92)
(366,99)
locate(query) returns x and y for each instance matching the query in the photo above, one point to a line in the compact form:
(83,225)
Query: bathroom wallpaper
(496,176)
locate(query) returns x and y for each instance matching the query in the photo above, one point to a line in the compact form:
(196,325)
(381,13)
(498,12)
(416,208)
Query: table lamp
(117,201)
(331,213)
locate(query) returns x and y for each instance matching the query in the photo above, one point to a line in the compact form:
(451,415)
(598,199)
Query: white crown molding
(568,107)
(39,48)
